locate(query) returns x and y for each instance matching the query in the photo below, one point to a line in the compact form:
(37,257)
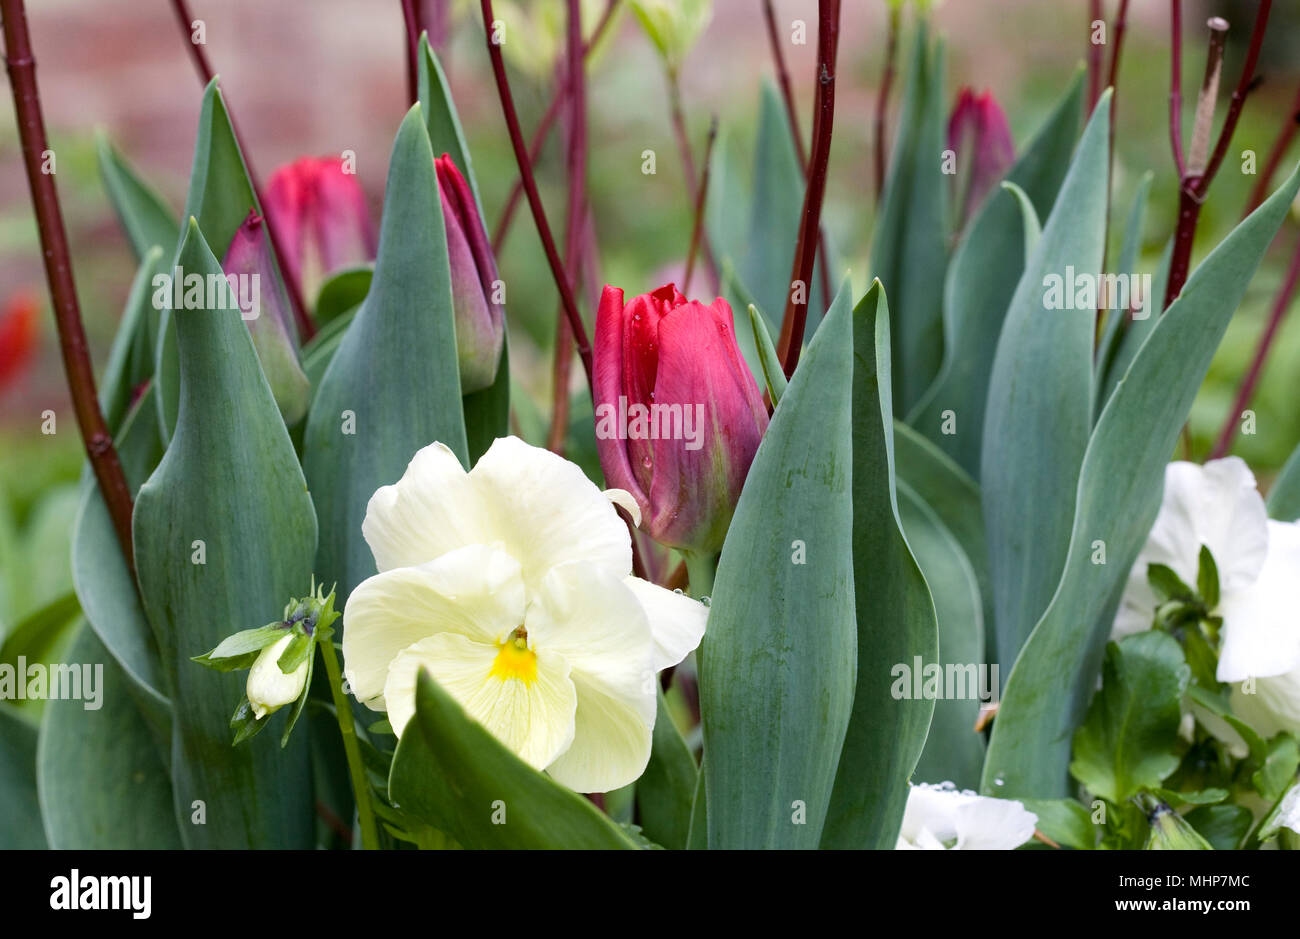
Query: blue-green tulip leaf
(777,662)
(1118,499)
(666,790)
(1040,401)
(894,612)
(225,534)
(393,386)
(1284,497)
(20,822)
(146,218)
(102,782)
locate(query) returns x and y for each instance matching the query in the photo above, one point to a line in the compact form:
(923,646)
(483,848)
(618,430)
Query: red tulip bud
(480,322)
(321,220)
(18,335)
(678,413)
(979,135)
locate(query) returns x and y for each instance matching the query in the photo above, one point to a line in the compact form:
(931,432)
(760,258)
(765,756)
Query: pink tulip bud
(979,135)
(321,219)
(678,413)
(480,320)
(265,309)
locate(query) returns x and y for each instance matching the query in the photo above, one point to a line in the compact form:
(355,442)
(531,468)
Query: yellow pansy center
(515,660)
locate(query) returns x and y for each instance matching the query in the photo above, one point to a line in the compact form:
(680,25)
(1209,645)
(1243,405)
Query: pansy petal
(985,824)
(548,512)
(611,741)
(627,502)
(475,591)
(676,621)
(1261,627)
(434,508)
(1273,706)
(532,718)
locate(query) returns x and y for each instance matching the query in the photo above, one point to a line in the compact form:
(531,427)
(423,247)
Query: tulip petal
(533,718)
(434,508)
(595,622)
(474,592)
(676,621)
(547,512)
(1261,631)
(607,382)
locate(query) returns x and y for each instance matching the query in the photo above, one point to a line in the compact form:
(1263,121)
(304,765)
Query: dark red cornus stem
(77,366)
(783,81)
(1281,304)
(796,311)
(1176,85)
(1094,56)
(306,328)
(701,196)
(412,51)
(543,131)
(1194,182)
(882,96)
(534,199)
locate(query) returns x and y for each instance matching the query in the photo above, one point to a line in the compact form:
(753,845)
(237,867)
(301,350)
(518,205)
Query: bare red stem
(783,80)
(796,312)
(882,96)
(412,51)
(1286,133)
(701,196)
(77,366)
(1094,56)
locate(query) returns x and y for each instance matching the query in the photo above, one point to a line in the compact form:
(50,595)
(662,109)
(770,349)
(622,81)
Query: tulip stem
(306,328)
(534,198)
(796,310)
(95,435)
(1194,180)
(348,730)
(700,571)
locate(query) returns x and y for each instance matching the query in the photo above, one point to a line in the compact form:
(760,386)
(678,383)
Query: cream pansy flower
(942,817)
(511,584)
(1217,505)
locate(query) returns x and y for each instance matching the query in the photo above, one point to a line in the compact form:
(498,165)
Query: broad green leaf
(1128,740)
(1134,332)
(909,251)
(666,789)
(777,662)
(1223,826)
(697,836)
(955,498)
(224,534)
(130,360)
(954,750)
(393,386)
(451,773)
(1118,498)
(146,218)
(104,585)
(319,352)
(487,412)
(894,611)
(773,373)
(1031,229)
(1065,821)
(1284,496)
(979,285)
(39,640)
(20,822)
(1040,401)
(1117,321)
(342,291)
(102,782)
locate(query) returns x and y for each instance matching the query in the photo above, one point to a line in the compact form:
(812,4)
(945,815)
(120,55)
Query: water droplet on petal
(999,780)
(647,462)
(679,591)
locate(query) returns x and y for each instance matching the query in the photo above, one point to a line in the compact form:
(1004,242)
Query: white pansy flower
(511,584)
(1258,559)
(942,817)
(270,689)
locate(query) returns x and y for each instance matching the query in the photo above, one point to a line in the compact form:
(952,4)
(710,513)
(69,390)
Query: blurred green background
(322,77)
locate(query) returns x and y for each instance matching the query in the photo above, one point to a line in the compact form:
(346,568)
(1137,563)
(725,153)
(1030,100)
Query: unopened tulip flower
(980,137)
(321,220)
(269,688)
(480,322)
(678,414)
(265,309)
(511,585)
(941,817)
(18,335)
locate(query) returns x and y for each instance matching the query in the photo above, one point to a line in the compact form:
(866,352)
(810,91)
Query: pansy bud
(321,220)
(270,689)
(978,134)
(265,308)
(1169,830)
(678,413)
(480,322)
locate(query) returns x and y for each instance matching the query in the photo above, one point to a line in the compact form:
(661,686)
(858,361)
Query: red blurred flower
(678,413)
(19,335)
(978,133)
(480,322)
(321,220)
